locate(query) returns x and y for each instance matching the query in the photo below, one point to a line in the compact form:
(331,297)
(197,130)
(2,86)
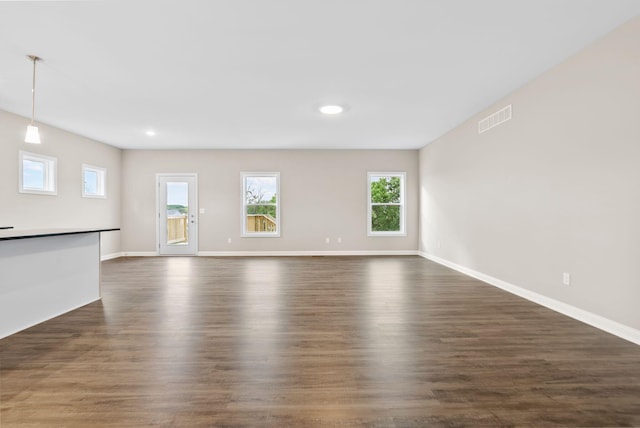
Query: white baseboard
(138,254)
(597,321)
(110,256)
(305,253)
(270,253)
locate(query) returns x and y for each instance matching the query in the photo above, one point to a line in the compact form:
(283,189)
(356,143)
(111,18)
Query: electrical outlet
(339,240)
(566,278)
(327,240)
(228,240)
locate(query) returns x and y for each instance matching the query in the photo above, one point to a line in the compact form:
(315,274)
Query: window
(260,204)
(37,174)
(386,203)
(94,181)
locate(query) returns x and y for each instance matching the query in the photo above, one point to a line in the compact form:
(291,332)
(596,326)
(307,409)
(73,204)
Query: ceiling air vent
(494,119)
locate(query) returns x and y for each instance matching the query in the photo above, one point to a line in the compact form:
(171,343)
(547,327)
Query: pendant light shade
(33,136)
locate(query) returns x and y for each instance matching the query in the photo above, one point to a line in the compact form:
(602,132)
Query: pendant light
(33,136)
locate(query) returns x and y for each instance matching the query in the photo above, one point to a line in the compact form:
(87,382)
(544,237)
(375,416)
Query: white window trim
(102,181)
(402,204)
(50,174)
(244,233)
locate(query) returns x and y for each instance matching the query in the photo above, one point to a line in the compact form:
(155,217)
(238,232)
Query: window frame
(402,204)
(243,200)
(101,185)
(50,174)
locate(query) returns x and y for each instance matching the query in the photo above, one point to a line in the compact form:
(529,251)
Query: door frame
(196,211)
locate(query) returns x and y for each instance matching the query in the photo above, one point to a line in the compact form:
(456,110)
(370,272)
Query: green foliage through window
(179,208)
(385,190)
(386,203)
(385,218)
(269,210)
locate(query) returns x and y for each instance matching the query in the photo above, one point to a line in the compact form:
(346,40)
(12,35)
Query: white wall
(556,189)
(323,194)
(68,208)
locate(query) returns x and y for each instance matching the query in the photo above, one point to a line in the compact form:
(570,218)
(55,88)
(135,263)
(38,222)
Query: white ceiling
(248,74)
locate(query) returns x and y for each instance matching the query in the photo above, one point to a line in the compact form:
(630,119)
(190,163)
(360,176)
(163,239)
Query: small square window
(37,174)
(94,181)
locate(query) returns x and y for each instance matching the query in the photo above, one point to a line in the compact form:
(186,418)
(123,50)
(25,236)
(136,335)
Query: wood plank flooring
(313,341)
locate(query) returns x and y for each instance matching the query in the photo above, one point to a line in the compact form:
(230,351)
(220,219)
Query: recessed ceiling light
(331,109)
(150,133)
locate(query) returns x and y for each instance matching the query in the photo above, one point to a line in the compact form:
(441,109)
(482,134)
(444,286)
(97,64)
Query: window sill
(260,235)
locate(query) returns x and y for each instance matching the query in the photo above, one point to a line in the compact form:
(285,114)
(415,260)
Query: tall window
(386,203)
(261,204)
(37,174)
(94,181)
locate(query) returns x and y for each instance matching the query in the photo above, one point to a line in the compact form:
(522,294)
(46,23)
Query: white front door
(177,214)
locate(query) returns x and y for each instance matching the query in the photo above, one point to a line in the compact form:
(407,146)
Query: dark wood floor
(358,341)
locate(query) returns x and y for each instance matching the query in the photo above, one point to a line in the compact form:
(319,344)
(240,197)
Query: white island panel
(43,277)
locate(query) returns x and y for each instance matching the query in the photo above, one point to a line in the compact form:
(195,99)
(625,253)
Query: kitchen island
(45,273)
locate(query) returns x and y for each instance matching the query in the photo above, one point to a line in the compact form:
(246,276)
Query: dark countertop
(9,234)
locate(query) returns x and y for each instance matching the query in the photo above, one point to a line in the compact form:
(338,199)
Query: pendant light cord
(33,92)
(33,88)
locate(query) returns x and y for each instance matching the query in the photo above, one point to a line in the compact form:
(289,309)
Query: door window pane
(177,213)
